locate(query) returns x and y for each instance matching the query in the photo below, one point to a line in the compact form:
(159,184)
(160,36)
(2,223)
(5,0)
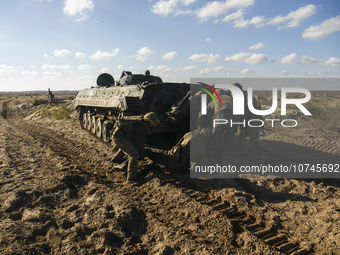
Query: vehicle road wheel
(99,128)
(88,126)
(84,120)
(93,124)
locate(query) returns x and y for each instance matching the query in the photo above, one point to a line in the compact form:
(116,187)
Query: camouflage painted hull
(99,107)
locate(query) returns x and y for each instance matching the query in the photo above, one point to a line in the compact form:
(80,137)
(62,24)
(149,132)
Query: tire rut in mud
(77,153)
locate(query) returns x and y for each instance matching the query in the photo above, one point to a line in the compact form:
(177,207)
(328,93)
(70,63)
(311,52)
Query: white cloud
(168,69)
(293,18)
(145,51)
(61,53)
(187,68)
(120,67)
(169,55)
(5,69)
(52,73)
(84,67)
(256,46)
(214,69)
(160,67)
(245,71)
(238,57)
(176,69)
(208,39)
(285,72)
(332,62)
(105,55)
(77,77)
(319,73)
(256,58)
(255,21)
(140,58)
(310,60)
(248,58)
(45,55)
(79,8)
(204,58)
(314,61)
(326,28)
(288,59)
(29,73)
(80,55)
(217,8)
(105,70)
(164,7)
(152,67)
(52,67)
(234,16)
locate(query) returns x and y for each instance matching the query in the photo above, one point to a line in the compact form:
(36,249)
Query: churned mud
(59,194)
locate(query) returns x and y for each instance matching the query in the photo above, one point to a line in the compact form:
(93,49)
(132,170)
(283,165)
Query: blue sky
(66,44)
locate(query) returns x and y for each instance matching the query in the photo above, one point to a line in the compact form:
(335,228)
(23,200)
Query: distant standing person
(50,97)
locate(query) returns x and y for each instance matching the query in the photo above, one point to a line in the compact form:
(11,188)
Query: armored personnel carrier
(133,96)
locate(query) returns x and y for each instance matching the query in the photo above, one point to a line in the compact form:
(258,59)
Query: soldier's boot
(157,156)
(132,170)
(122,166)
(118,157)
(131,178)
(150,165)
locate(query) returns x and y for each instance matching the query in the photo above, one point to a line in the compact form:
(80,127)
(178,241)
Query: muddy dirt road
(59,194)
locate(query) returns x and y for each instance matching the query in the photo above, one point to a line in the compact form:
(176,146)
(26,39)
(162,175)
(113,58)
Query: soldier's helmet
(238,85)
(195,98)
(152,118)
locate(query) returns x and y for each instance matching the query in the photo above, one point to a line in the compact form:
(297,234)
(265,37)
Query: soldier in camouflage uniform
(129,136)
(173,160)
(252,132)
(222,134)
(178,157)
(180,115)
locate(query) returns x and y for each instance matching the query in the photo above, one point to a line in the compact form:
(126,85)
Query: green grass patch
(46,112)
(62,113)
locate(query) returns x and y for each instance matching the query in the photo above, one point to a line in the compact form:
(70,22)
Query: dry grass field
(60,194)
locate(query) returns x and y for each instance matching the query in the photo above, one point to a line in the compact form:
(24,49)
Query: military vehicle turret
(133,95)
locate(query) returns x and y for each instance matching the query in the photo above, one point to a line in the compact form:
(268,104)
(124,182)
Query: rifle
(180,103)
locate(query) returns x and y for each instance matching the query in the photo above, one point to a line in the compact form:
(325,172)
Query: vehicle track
(87,163)
(243,220)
